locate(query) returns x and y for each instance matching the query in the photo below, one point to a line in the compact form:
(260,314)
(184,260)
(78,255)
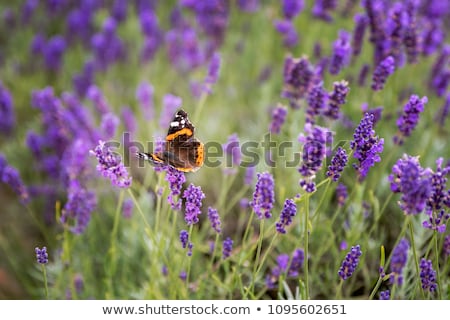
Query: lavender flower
(96,96)
(184,238)
(127,208)
(438,70)
(277,271)
(289,211)
(396,26)
(227,248)
(109,124)
(336,99)
(410,117)
(170,105)
(363,75)
(249,175)
(366,146)
(10,176)
(427,275)
(264,195)
(107,46)
(444,111)
(183,275)
(7,116)
(298,257)
(287,29)
(338,163)
(375,13)
(233,151)
(84,80)
(153,35)
(317,98)
(446,246)
(438,200)
(213,72)
(321,9)
(129,121)
(214,218)
(298,75)
(341,194)
(53,53)
(385,295)
(110,166)
(350,263)
(291,8)
(184,49)
(193,196)
(341,52)
(411,37)
(398,262)
(382,72)
(410,179)
(314,151)
(41,255)
(358,34)
(144,95)
(278,117)
(79,206)
(176,180)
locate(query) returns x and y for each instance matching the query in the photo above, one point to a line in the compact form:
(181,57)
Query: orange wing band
(184,131)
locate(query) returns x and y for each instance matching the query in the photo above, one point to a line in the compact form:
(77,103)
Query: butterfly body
(182,150)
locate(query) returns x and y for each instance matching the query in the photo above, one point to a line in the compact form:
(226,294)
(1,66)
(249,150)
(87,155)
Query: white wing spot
(174,124)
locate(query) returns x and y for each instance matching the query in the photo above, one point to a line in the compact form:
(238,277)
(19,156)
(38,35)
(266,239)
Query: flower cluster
(341,52)
(338,163)
(385,295)
(193,196)
(214,218)
(398,262)
(366,146)
(350,262)
(336,99)
(10,176)
(317,98)
(298,75)
(289,211)
(410,117)
(185,243)
(427,275)
(176,180)
(7,116)
(382,72)
(283,266)
(227,248)
(410,179)
(314,151)
(263,196)
(41,255)
(110,166)
(278,117)
(341,194)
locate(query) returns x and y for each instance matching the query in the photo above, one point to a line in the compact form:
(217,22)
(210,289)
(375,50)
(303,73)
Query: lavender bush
(325,125)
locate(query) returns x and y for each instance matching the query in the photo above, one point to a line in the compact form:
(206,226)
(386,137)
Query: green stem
(339,290)
(44,272)
(436,256)
(416,261)
(199,108)
(306,244)
(266,254)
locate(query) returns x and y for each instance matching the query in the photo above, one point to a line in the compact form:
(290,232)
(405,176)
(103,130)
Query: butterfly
(182,150)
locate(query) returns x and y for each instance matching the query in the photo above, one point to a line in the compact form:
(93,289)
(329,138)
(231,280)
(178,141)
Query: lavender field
(325,133)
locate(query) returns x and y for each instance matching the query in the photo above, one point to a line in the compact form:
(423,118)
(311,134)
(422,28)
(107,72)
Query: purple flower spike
(443,112)
(314,151)
(109,124)
(53,53)
(366,145)
(41,255)
(7,116)
(341,194)
(184,238)
(298,75)
(233,151)
(338,163)
(410,117)
(291,8)
(350,263)
(176,180)
(110,166)
(287,29)
(227,248)
(410,179)
(289,211)
(248,5)
(446,246)
(341,52)
(127,208)
(170,105)
(427,275)
(214,218)
(10,176)
(385,295)
(398,262)
(278,117)
(193,196)
(358,34)
(264,195)
(382,72)
(317,98)
(213,72)
(337,98)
